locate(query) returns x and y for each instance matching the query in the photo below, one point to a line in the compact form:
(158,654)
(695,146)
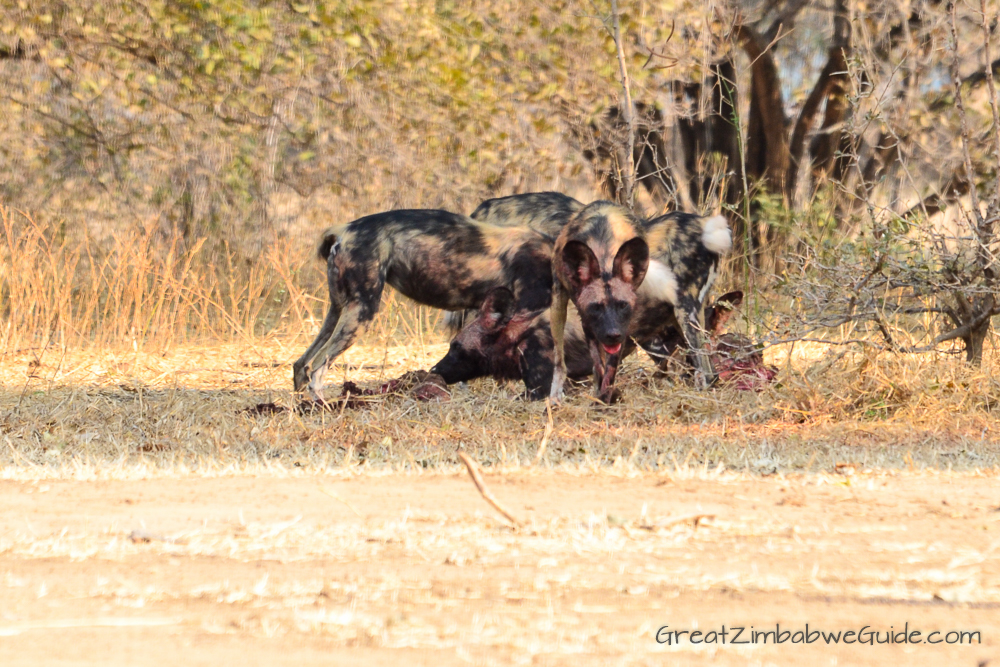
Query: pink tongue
(612,349)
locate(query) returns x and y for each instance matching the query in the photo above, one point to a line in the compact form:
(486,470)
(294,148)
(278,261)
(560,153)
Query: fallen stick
(477,479)
(333,495)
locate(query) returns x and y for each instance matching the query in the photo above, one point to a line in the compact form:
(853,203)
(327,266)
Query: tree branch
(629,108)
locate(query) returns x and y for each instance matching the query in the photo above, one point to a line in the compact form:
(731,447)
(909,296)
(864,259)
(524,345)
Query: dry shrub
(61,284)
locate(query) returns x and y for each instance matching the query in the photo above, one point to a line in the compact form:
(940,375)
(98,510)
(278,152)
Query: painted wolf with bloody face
(506,345)
(684,251)
(434,257)
(599,261)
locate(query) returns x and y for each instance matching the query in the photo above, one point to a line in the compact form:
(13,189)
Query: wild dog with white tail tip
(436,258)
(685,251)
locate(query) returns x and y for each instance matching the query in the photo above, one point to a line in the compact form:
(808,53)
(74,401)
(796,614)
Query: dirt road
(406,569)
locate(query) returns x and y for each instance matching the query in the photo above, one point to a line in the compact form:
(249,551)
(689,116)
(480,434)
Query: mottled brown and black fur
(434,257)
(544,212)
(506,344)
(598,262)
(685,251)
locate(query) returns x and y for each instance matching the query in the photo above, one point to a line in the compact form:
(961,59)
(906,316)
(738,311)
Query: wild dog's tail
(329,242)
(715,235)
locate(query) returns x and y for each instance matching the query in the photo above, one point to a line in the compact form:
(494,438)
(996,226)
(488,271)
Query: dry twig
(477,479)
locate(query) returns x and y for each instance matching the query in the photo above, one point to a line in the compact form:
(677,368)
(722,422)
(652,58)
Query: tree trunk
(974,343)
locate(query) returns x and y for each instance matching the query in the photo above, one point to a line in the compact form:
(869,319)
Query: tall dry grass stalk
(138,288)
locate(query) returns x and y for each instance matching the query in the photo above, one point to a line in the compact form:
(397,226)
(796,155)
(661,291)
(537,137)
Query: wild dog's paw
(611,396)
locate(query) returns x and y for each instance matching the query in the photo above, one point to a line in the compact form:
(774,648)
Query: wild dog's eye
(622,306)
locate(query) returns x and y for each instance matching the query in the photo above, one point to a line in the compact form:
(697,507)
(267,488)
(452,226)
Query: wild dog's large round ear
(722,310)
(498,306)
(731,300)
(581,264)
(632,261)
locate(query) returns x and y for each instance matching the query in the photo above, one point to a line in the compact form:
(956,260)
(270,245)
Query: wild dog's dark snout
(472,352)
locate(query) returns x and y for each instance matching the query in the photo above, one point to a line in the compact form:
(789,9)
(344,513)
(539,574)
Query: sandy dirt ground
(408,569)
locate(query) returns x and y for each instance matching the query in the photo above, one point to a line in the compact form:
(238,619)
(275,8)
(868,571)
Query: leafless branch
(628,108)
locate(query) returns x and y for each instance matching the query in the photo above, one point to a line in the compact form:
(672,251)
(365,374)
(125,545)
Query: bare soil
(415,569)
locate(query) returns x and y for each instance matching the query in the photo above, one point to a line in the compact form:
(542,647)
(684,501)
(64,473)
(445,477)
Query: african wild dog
(436,258)
(685,251)
(599,260)
(544,212)
(506,345)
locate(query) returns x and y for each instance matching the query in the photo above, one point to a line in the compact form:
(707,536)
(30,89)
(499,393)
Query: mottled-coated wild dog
(544,212)
(436,258)
(598,262)
(506,344)
(683,263)
(685,251)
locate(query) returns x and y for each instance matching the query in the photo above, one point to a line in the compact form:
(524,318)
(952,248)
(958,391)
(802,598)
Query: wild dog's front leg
(560,302)
(301,370)
(691,320)
(598,360)
(536,368)
(605,370)
(353,320)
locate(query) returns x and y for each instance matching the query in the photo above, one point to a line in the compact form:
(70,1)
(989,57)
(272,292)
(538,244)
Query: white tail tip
(715,235)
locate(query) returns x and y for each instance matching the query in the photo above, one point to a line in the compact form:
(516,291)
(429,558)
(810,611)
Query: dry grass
(115,354)
(144,290)
(84,412)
